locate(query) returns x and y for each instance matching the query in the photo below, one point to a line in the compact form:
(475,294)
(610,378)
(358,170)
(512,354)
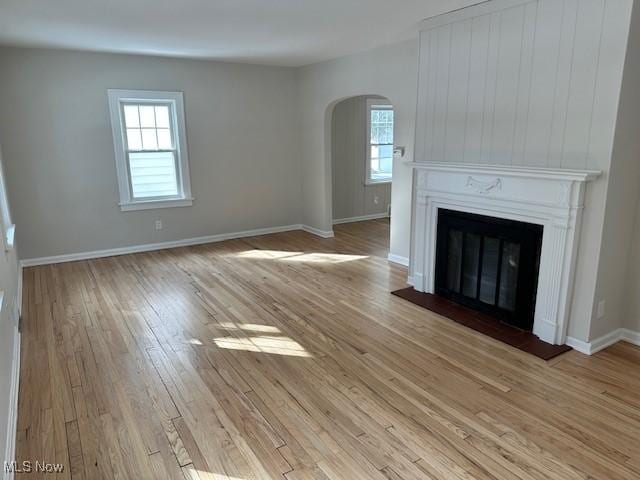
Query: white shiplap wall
(523,85)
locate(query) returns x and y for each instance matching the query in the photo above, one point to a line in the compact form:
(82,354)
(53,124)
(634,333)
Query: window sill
(9,237)
(154,204)
(379,182)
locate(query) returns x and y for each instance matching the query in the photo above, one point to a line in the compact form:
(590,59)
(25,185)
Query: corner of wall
(615,265)
(631,306)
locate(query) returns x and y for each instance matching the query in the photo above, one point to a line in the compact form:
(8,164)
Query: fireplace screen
(489,264)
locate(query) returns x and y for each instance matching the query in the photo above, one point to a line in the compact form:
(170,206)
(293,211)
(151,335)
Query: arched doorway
(361,151)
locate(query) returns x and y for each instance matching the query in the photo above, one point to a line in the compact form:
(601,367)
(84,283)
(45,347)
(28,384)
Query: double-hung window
(150,148)
(379,142)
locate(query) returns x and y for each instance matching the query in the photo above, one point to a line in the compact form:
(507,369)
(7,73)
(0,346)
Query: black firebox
(489,264)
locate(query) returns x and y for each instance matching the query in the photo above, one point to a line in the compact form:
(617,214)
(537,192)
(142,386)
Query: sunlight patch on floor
(249,327)
(299,256)
(325,258)
(202,475)
(267,254)
(265,344)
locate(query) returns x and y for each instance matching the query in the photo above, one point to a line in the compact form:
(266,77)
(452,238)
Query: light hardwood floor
(285,356)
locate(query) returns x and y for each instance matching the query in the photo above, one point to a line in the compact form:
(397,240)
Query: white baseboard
(605,341)
(589,348)
(149,247)
(404,261)
(10,452)
(579,345)
(317,231)
(361,218)
(631,336)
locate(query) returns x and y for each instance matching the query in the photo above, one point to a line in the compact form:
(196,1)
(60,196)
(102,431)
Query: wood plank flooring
(286,357)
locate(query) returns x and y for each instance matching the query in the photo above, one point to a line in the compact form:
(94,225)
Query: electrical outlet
(602,305)
(158,224)
(376,199)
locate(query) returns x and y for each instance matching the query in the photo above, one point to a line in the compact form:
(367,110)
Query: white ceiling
(276,32)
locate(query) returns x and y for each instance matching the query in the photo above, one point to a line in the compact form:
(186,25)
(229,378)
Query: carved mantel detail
(483,188)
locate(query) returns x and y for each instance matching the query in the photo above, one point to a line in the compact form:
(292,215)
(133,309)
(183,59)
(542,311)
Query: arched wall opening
(358,158)
(390,71)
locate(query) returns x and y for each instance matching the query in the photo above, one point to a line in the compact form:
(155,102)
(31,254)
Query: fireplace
(545,203)
(489,264)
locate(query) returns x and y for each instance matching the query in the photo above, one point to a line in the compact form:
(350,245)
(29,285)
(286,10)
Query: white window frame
(8,227)
(117,99)
(371,103)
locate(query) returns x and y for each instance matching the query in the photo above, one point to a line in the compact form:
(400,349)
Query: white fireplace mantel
(553,198)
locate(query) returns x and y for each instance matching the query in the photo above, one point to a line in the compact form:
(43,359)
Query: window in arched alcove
(362,144)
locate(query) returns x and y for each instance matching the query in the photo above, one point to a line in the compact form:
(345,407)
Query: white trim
(553,198)
(393,258)
(589,348)
(372,102)
(10,451)
(10,237)
(579,345)
(611,338)
(361,218)
(605,341)
(483,7)
(149,247)
(510,171)
(317,231)
(631,336)
(176,102)
(8,226)
(153,204)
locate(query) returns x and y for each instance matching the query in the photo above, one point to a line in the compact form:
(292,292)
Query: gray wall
(245,126)
(351,196)
(631,317)
(54,125)
(389,71)
(619,279)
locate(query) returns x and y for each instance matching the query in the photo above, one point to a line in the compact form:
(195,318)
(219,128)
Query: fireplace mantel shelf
(510,170)
(553,198)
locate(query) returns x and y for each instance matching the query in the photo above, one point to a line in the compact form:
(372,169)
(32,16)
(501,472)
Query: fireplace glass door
(489,264)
